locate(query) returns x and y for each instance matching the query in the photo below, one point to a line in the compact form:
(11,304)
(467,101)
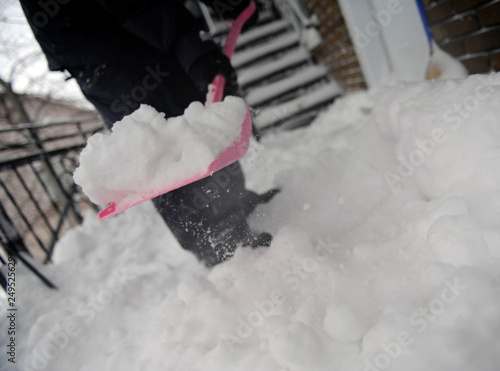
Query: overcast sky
(22,61)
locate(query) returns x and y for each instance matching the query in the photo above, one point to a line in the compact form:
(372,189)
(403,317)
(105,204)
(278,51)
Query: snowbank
(146,153)
(385,257)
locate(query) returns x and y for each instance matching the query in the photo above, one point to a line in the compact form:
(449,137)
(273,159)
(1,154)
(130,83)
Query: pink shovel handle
(216,89)
(235,29)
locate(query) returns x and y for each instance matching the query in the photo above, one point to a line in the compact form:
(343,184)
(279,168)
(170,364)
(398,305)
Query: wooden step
(261,32)
(268,92)
(273,115)
(275,45)
(254,73)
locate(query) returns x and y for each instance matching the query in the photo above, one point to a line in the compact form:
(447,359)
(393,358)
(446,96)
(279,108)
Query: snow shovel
(216,91)
(433,70)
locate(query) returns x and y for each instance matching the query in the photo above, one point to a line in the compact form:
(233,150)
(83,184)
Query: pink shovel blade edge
(231,154)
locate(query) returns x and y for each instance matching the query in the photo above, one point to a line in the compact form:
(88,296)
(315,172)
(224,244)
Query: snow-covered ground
(385,257)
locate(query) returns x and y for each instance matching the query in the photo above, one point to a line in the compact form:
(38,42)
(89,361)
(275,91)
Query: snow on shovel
(174,153)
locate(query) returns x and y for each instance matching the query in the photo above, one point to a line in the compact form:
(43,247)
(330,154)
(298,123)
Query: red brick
(348,54)
(328,13)
(479,64)
(437,33)
(348,66)
(461,5)
(483,41)
(460,26)
(489,15)
(495,61)
(429,2)
(357,74)
(454,48)
(336,50)
(439,12)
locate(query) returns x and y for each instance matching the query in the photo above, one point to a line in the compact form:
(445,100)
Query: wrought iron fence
(39,200)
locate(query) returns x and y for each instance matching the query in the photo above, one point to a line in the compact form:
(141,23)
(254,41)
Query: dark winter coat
(75,33)
(124,53)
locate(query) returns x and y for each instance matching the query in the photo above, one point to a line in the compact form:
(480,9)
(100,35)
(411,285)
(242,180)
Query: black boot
(208,217)
(251,199)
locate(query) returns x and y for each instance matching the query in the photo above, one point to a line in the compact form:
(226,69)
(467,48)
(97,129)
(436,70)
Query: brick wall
(336,51)
(469,30)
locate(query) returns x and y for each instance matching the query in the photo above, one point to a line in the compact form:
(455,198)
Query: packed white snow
(386,256)
(146,153)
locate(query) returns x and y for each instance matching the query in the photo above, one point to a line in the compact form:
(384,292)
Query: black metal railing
(39,200)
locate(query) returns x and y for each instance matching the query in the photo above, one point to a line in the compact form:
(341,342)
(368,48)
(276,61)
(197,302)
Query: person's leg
(119,89)
(207,217)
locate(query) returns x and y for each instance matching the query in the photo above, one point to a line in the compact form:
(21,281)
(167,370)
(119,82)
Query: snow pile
(146,153)
(386,255)
(437,128)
